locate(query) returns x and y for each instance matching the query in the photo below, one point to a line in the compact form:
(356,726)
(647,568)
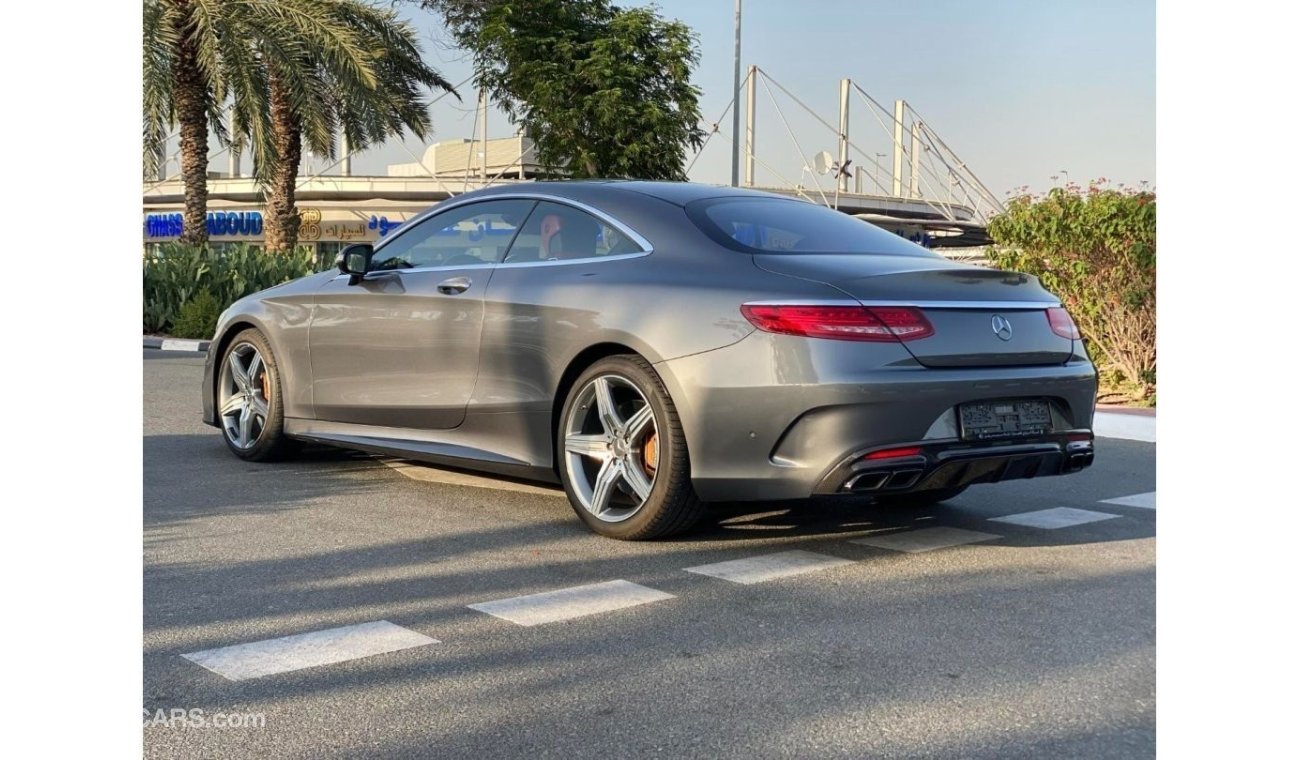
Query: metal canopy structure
(928,192)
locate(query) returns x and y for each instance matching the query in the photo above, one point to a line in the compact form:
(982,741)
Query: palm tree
(340,103)
(200,55)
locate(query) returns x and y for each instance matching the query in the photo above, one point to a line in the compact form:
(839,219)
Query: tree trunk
(190,97)
(281,209)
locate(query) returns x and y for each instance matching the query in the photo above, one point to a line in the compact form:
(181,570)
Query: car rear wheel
(919,498)
(623,456)
(249,410)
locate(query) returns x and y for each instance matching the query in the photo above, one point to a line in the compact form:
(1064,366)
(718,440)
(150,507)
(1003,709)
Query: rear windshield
(776,225)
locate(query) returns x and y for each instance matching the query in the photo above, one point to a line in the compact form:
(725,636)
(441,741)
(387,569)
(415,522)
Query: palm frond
(160,40)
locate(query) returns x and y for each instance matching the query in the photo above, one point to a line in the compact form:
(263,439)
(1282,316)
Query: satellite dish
(822,162)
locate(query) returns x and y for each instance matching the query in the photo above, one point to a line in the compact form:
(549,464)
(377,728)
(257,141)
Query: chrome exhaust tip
(868,481)
(904,479)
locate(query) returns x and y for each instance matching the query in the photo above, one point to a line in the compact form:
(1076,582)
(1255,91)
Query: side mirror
(354,260)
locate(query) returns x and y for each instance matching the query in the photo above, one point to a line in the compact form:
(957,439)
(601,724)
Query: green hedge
(1095,247)
(177,275)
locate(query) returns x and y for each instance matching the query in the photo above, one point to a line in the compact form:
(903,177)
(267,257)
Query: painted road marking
(769,566)
(925,539)
(172,344)
(1143,500)
(307,650)
(1058,517)
(432,474)
(569,603)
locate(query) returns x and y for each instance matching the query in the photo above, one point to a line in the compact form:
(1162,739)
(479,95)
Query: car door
(546,297)
(400,347)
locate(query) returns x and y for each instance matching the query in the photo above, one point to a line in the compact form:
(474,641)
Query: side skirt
(434,447)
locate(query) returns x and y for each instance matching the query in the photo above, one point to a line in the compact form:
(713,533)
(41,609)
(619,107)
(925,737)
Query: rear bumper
(776,417)
(954,464)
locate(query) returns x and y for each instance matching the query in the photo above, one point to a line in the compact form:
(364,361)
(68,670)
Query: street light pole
(735,109)
(877,171)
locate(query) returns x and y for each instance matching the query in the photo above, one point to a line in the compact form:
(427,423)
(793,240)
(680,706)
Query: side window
(555,232)
(478,233)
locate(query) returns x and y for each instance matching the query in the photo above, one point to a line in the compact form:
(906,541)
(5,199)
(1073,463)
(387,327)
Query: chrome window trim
(416,270)
(919,304)
(636,237)
(513,265)
(585,260)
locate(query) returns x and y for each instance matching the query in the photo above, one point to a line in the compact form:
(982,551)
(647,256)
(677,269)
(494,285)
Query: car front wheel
(622,453)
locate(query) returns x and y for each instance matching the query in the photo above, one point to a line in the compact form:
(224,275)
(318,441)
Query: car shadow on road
(850,517)
(189,476)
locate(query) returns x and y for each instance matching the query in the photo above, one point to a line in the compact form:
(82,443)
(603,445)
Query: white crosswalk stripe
(1143,500)
(1058,517)
(307,650)
(769,566)
(925,539)
(569,603)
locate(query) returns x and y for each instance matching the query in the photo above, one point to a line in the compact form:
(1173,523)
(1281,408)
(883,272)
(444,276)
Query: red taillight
(880,323)
(1062,324)
(906,451)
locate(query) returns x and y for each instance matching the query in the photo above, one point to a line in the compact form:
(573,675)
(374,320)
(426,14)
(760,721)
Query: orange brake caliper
(650,453)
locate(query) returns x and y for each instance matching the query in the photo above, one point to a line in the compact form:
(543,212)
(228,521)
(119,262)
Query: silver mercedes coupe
(655,346)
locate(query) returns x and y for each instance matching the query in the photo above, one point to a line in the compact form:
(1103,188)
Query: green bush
(179,273)
(198,317)
(1094,247)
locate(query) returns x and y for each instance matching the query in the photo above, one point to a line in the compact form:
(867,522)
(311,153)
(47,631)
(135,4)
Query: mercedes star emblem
(1001,327)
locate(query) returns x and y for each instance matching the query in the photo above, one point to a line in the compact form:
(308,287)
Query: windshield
(777,225)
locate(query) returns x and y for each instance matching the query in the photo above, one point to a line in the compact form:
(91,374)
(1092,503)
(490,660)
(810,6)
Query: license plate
(1005,419)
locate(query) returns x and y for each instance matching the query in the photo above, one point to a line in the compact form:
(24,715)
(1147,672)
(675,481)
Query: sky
(1021,90)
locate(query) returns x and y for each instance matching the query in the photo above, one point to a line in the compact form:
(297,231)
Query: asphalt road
(1039,643)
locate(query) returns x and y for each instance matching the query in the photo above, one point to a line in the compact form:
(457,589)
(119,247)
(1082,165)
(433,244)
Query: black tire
(271,444)
(918,499)
(672,506)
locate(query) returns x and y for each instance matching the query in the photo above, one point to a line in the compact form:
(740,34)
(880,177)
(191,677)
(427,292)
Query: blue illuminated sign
(382,224)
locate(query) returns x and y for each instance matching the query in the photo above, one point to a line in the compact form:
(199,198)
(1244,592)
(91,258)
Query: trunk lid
(981,317)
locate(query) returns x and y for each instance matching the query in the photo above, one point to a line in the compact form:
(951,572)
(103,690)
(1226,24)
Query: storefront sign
(346,231)
(382,224)
(220,223)
(308,224)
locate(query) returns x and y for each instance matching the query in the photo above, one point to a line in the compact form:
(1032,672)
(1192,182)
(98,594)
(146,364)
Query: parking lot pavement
(341,605)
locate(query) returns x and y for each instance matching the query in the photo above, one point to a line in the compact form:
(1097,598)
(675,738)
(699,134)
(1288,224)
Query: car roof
(676,193)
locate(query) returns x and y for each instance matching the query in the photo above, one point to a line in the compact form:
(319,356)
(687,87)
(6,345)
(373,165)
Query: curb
(1108,423)
(1141,411)
(176,344)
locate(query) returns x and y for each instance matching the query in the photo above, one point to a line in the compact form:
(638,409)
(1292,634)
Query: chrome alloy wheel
(244,395)
(611,448)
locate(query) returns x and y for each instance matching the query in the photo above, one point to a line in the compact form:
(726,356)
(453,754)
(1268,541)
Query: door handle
(455,285)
